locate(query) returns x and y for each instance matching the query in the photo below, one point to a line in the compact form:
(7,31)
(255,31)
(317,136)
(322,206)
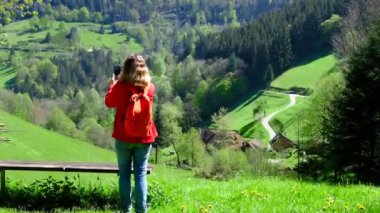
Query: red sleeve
(114,91)
(151,91)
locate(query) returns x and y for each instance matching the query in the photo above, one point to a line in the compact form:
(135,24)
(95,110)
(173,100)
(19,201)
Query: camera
(116,70)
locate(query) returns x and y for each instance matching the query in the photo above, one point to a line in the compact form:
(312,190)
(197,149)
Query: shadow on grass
(248,129)
(8,72)
(253,97)
(10,83)
(312,57)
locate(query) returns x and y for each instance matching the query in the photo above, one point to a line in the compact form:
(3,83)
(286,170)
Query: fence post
(2,177)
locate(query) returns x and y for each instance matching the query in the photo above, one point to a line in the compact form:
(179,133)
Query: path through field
(265,120)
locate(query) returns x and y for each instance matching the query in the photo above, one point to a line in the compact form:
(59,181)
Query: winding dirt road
(265,120)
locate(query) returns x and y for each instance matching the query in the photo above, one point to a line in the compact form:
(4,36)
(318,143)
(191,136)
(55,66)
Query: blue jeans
(138,154)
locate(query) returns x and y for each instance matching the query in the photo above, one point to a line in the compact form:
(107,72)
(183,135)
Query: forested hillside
(107,11)
(277,40)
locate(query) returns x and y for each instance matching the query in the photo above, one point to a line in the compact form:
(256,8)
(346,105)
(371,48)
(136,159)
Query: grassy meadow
(186,193)
(6,73)
(30,142)
(289,118)
(242,119)
(305,75)
(250,194)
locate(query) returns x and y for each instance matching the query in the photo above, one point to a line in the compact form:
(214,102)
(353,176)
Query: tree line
(342,122)
(276,40)
(107,11)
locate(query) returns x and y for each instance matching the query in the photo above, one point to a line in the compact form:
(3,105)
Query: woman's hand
(113,79)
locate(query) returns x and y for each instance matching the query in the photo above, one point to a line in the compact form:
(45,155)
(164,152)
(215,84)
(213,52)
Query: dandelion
(360,206)
(330,201)
(203,209)
(254,193)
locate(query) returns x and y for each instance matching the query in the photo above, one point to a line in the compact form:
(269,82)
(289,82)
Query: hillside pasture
(291,119)
(33,143)
(242,119)
(6,73)
(305,75)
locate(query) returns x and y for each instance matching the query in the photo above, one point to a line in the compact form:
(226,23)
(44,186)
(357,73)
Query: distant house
(252,144)
(280,143)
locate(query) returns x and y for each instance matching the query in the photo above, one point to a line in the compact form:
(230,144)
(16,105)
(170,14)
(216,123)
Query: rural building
(280,143)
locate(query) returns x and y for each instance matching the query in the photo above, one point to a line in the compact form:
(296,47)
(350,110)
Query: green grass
(113,41)
(247,194)
(30,142)
(305,75)
(241,118)
(19,32)
(289,118)
(257,194)
(6,74)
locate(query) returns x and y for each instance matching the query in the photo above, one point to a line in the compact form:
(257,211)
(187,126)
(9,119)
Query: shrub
(259,164)
(49,194)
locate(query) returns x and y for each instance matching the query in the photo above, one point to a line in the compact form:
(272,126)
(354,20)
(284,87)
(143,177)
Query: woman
(130,148)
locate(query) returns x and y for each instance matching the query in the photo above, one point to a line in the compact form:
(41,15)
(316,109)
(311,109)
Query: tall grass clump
(223,164)
(259,163)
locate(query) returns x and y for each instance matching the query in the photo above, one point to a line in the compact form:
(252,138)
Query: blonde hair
(135,71)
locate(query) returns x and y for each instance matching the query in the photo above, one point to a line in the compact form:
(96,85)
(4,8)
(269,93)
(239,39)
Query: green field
(306,75)
(248,194)
(289,118)
(241,118)
(257,194)
(30,142)
(6,74)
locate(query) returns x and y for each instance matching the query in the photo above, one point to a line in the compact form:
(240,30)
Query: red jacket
(118,97)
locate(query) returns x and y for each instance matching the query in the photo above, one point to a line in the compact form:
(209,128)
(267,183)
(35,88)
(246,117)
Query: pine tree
(353,136)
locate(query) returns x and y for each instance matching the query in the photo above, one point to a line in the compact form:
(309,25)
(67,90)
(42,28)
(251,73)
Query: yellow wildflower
(360,206)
